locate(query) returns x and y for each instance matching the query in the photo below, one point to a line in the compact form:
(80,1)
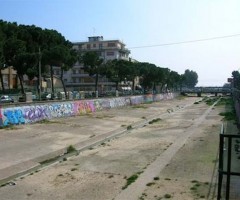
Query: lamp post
(39,74)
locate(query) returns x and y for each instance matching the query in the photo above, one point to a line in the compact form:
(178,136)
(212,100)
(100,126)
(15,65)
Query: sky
(144,26)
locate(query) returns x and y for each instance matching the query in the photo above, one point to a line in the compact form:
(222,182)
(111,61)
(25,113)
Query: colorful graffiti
(83,107)
(34,113)
(13,116)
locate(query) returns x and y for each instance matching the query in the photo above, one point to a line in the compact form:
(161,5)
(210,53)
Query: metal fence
(226,162)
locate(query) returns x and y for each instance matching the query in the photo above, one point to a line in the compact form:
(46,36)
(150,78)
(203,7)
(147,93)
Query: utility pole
(39,73)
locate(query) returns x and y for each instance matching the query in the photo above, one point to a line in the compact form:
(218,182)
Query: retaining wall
(36,112)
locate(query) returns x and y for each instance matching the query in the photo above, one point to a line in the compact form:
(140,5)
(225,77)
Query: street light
(39,73)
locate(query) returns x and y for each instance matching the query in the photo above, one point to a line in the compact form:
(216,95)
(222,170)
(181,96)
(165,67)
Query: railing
(225,163)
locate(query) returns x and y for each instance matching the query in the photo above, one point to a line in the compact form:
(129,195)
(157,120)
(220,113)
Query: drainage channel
(82,146)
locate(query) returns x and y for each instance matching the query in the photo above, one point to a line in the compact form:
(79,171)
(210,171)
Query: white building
(77,79)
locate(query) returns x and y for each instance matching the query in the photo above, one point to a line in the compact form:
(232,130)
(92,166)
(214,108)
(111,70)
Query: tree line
(24,47)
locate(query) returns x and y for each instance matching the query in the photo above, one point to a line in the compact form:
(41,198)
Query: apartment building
(77,79)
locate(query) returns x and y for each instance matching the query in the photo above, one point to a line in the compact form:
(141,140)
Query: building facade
(79,80)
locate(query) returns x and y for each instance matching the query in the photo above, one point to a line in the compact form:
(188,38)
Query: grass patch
(9,127)
(224,102)
(140,106)
(229,115)
(210,101)
(46,121)
(49,161)
(155,121)
(131,179)
(156,178)
(199,189)
(129,127)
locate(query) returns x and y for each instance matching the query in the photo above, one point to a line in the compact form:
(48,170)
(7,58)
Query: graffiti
(35,113)
(83,107)
(119,102)
(148,98)
(97,105)
(1,117)
(14,116)
(30,114)
(60,110)
(136,100)
(106,104)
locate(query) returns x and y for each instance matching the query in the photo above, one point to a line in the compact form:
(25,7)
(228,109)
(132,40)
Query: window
(100,46)
(110,53)
(94,45)
(88,46)
(111,44)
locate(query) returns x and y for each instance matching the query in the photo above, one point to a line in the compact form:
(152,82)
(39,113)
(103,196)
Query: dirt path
(167,157)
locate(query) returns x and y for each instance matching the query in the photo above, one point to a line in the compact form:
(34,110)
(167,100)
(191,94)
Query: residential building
(9,76)
(77,79)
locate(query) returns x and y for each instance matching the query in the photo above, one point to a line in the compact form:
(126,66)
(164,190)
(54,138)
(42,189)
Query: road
(171,155)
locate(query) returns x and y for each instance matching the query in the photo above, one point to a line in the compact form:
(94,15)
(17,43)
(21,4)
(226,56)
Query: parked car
(46,96)
(6,99)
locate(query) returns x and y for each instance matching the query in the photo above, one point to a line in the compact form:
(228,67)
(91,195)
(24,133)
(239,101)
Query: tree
(190,78)
(92,64)
(118,71)
(236,79)
(62,56)
(2,59)
(173,80)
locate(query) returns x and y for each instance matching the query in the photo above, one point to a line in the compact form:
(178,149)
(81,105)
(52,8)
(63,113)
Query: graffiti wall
(33,113)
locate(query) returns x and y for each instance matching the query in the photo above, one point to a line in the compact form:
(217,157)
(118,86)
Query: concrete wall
(36,112)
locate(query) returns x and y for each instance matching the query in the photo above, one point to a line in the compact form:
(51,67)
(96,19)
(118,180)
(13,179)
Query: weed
(194,181)
(64,159)
(167,179)
(167,196)
(129,127)
(71,149)
(150,184)
(130,180)
(73,169)
(155,120)
(196,102)
(91,136)
(193,188)
(156,178)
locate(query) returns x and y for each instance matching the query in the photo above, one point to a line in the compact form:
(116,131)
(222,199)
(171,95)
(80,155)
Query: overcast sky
(146,23)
